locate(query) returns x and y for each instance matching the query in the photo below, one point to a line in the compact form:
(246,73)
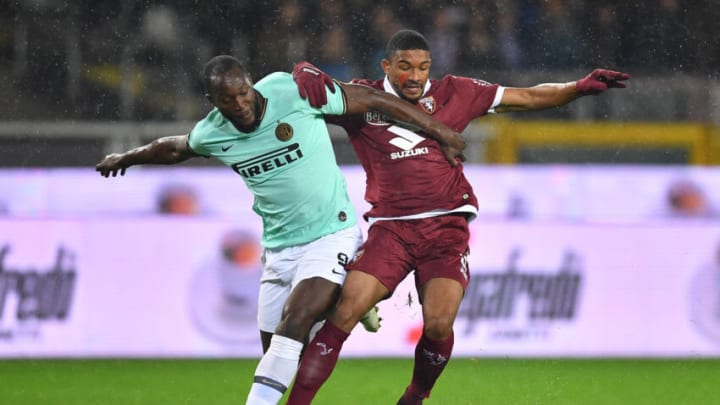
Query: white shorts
(284,268)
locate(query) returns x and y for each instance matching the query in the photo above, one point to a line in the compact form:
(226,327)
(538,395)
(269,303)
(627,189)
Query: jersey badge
(428,104)
(283,132)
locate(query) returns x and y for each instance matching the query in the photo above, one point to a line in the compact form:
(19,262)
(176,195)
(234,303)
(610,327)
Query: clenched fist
(311,83)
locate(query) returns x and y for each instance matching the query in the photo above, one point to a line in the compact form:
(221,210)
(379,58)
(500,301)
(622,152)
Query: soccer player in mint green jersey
(280,147)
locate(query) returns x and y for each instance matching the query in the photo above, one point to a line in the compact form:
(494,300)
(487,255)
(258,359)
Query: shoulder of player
(463,81)
(377,84)
(205,128)
(213,119)
(460,85)
(275,81)
(281,91)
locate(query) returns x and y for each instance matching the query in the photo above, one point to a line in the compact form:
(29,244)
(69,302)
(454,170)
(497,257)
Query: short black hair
(218,66)
(405,40)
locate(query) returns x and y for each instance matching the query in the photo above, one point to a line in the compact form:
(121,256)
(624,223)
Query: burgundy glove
(600,80)
(311,83)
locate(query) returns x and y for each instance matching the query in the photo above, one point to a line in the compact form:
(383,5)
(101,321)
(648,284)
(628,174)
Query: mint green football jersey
(287,162)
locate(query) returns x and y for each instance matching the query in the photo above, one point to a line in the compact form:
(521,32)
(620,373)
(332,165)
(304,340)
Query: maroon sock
(318,361)
(431,357)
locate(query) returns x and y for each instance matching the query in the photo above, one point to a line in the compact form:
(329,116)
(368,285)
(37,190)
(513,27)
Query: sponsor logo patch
(268,161)
(409,153)
(377,118)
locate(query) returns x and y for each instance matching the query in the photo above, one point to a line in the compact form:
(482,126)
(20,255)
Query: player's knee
(438,328)
(346,316)
(296,322)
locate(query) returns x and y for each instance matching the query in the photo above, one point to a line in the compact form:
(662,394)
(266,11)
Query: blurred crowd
(129,59)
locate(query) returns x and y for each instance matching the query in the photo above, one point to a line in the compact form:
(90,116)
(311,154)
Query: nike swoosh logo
(226,148)
(337,272)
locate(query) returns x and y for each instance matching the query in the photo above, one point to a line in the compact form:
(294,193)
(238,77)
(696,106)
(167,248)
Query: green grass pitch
(367,381)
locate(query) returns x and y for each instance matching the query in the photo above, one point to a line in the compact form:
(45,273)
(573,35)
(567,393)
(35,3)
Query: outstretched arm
(361,99)
(312,83)
(548,95)
(164,151)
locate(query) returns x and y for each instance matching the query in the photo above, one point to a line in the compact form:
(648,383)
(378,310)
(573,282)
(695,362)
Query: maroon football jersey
(407,173)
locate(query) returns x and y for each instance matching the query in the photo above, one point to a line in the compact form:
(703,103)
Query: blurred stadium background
(101,72)
(596,252)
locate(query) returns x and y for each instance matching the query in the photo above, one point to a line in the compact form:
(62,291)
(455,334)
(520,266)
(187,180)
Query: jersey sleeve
(337,103)
(498,98)
(483,96)
(195,139)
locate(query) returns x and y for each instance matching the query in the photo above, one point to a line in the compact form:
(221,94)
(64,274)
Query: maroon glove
(311,83)
(600,80)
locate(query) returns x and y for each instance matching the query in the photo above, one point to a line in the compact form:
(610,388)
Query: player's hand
(311,83)
(600,80)
(453,149)
(111,165)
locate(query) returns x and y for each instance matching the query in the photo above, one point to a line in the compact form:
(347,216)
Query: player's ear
(385,65)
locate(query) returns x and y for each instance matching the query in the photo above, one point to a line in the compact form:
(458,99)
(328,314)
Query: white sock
(275,372)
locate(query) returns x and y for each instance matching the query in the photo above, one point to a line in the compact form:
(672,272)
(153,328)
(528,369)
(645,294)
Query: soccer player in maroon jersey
(420,205)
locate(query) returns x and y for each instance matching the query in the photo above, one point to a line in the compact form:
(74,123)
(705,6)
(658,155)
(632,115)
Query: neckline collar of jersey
(389,88)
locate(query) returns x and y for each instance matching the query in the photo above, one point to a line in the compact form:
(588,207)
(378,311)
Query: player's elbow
(170,150)
(362,99)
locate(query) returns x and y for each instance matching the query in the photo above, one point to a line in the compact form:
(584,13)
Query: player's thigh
(310,301)
(441,299)
(279,269)
(285,268)
(384,255)
(444,251)
(359,294)
(320,273)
